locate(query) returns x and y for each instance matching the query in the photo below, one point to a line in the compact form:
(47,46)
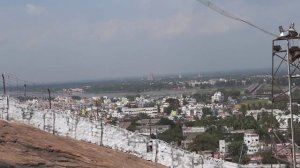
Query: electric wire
(219,10)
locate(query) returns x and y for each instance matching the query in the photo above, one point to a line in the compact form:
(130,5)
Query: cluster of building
(121,108)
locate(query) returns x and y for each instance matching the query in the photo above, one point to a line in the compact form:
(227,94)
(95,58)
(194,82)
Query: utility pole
(49,98)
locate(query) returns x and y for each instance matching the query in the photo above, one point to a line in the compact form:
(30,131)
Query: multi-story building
(151,111)
(252,142)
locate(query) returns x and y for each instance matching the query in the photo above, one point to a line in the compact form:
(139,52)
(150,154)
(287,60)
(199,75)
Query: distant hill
(24,146)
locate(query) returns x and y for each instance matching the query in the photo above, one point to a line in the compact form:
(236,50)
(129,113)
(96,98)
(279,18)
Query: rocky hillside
(24,146)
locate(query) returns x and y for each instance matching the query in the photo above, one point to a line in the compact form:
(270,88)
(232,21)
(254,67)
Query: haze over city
(59,41)
(150,83)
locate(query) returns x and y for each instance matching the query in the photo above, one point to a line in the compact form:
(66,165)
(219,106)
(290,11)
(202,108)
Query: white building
(252,142)
(151,111)
(117,114)
(217,97)
(222,147)
(284,120)
(192,110)
(194,83)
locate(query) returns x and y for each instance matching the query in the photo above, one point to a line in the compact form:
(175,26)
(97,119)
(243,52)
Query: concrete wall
(65,123)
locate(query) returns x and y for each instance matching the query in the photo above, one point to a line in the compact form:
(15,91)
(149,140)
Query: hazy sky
(67,40)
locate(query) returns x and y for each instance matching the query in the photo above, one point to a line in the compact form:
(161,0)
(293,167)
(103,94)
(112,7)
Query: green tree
(215,131)
(207,121)
(237,149)
(249,122)
(76,97)
(165,121)
(243,109)
(172,135)
(150,104)
(130,97)
(234,93)
(203,142)
(173,105)
(185,102)
(206,111)
(266,121)
(297,133)
(113,121)
(295,109)
(267,157)
(143,116)
(167,110)
(234,148)
(132,126)
(201,97)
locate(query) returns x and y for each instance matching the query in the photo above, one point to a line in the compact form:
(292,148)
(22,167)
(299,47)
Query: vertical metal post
(101,142)
(49,98)
(193,162)
(53,124)
(53,114)
(290,106)
(25,91)
(156,143)
(272,92)
(172,157)
(4,88)
(149,121)
(18,91)
(241,155)
(101,123)
(97,110)
(202,161)
(7,99)
(272,76)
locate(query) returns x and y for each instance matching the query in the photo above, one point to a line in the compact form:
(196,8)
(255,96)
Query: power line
(231,16)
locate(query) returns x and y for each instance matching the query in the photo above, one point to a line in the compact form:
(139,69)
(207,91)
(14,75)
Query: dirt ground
(24,146)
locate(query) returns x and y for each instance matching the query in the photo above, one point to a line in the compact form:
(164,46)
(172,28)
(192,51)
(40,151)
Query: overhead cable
(231,16)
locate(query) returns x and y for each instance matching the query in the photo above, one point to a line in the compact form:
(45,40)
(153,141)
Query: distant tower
(285,78)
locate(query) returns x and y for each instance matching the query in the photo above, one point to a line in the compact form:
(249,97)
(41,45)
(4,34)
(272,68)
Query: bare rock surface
(25,146)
